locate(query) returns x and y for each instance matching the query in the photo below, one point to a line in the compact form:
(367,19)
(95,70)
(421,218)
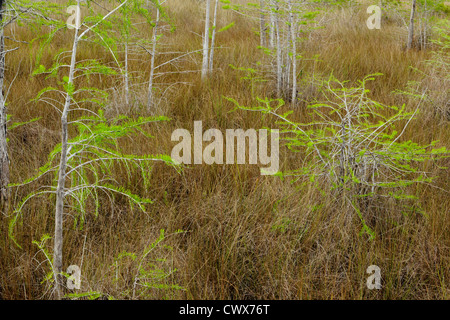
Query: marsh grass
(246,236)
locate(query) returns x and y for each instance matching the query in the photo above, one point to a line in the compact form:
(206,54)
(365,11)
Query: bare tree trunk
(126,75)
(205,63)
(4,160)
(286,64)
(213,38)
(60,189)
(152,63)
(272,25)
(293,22)
(127,86)
(279,57)
(411,25)
(262,25)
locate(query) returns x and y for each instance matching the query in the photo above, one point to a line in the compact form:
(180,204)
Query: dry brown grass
(247,236)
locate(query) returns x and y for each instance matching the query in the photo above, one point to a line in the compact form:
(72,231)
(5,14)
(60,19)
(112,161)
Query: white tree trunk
(425,27)
(262,25)
(272,24)
(126,74)
(213,38)
(60,189)
(293,29)
(411,25)
(127,86)
(205,63)
(150,99)
(286,64)
(279,56)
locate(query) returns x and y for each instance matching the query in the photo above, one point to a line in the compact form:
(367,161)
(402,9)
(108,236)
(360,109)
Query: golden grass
(241,241)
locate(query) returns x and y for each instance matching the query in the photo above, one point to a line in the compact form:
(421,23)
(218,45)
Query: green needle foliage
(94,149)
(148,272)
(93,155)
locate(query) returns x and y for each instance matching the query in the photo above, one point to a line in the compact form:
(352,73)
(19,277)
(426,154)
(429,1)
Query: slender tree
(287,17)
(279,52)
(262,24)
(272,24)
(17,11)
(60,189)
(293,26)
(126,31)
(150,100)
(60,192)
(4,160)
(359,157)
(213,37)
(91,150)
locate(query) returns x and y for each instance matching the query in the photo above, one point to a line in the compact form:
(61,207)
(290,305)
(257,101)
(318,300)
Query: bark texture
(4,159)
(411,25)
